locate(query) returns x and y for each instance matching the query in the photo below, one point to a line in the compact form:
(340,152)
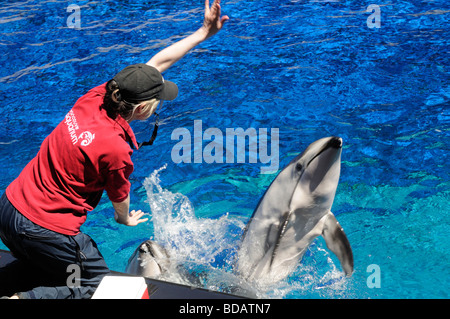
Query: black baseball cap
(141,82)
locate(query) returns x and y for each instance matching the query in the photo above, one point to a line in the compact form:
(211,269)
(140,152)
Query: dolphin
(294,210)
(149,260)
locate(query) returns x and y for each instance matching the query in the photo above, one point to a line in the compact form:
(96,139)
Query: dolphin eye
(299,167)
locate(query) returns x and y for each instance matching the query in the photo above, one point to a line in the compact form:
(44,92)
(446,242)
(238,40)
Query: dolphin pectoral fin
(338,243)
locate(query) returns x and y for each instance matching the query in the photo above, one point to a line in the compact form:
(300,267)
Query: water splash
(197,246)
(188,238)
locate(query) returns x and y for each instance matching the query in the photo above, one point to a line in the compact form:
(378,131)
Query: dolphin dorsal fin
(337,242)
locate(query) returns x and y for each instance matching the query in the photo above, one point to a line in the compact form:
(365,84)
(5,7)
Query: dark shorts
(49,264)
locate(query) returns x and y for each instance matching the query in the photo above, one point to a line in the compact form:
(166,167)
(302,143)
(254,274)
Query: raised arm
(212,23)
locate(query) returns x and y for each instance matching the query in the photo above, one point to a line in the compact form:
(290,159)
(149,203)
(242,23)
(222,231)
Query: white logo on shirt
(72,126)
(87,138)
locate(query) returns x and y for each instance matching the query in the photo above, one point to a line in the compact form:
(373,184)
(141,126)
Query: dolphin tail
(338,243)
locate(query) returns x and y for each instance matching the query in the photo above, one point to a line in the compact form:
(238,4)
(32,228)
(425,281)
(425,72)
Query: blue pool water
(307,68)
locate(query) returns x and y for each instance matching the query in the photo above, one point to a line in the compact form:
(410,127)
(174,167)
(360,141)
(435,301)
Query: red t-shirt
(88,152)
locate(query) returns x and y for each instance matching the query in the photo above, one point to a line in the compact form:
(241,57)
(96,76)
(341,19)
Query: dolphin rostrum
(294,210)
(148,260)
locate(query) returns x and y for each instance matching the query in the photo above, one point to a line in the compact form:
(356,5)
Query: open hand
(134,218)
(213,22)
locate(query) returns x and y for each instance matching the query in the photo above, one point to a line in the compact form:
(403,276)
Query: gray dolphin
(149,260)
(294,210)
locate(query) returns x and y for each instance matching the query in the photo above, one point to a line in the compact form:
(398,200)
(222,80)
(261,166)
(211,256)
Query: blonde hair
(147,106)
(145,111)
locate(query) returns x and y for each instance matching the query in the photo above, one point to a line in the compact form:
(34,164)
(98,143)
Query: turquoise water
(307,68)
